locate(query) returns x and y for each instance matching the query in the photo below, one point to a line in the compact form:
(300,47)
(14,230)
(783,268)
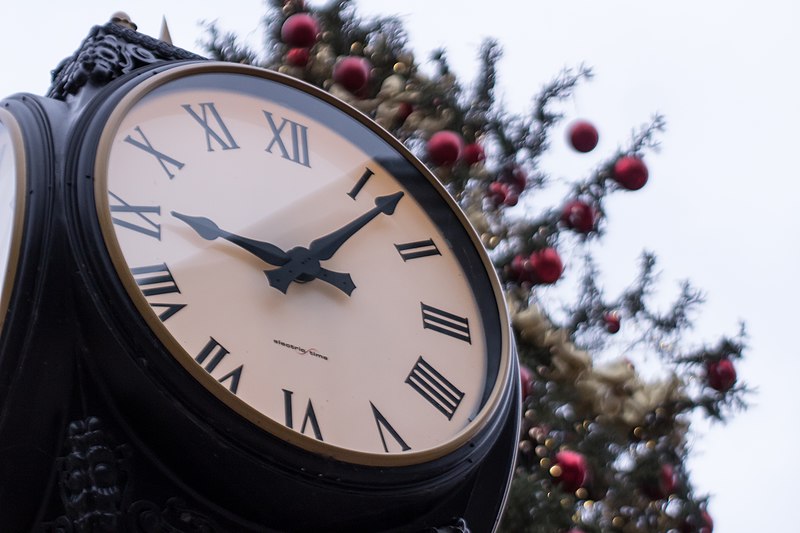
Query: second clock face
(11,204)
(300,268)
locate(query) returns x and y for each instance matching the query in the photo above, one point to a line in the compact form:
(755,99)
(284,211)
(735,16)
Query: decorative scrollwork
(109,52)
(175,517)
(459,526)
(91,479)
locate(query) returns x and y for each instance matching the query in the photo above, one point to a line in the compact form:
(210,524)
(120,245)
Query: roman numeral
(211,133)
(435,388)
(214,352)
(297,140)
(417,249)
(163,159)
(136,217)
(310,416)
(382,424)
(155,280)
(360,184)
(444,322)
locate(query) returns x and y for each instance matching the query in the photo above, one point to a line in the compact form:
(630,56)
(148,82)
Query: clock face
(297,263)
(12,175)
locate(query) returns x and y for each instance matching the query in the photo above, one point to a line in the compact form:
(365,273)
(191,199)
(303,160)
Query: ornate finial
(109,52)
(165,36)
(121,18)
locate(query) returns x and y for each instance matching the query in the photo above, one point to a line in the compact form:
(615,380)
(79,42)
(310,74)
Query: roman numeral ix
(435,388)
(297,139)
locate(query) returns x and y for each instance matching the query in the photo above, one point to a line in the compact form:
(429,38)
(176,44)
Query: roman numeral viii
(435,388)
(139,218)
(291,144)
(156,280)
(447,323)
(217,132)
(212,355)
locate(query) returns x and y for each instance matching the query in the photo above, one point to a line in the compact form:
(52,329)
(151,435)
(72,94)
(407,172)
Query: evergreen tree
(602,448)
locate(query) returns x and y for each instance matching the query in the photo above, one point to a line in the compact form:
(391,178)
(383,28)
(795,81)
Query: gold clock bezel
(503,380)
(20,167)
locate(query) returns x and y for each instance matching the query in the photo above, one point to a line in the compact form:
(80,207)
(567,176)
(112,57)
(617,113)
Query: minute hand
(324,247)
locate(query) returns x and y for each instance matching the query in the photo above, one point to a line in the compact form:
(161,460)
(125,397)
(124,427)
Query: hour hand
(207,229)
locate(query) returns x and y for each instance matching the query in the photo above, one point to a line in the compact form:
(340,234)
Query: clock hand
(267,252)
(324,247)
(304,263)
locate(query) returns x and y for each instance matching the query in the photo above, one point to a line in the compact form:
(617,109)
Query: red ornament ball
(708,523)
(404,109)
(444,147)
(300,30)
(579,216)
(721,374)
(668,479)
(583,136)
(515,177)
(497,193)
(520,269)
(297,57)
(352,73)
(662,485)
(612,321)
(630,172)
(526,380)
(546,266)
(473,154)
(573,470)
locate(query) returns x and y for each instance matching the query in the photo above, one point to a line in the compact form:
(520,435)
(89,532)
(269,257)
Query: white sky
(720,204)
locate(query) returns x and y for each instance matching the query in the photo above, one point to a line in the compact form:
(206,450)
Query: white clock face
(11,176)
(277,248)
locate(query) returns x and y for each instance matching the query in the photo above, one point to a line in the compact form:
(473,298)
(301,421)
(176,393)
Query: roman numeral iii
(291,144)
(435,388)
(446,323)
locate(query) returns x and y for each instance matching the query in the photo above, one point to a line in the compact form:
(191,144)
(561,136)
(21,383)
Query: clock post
(230,302)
